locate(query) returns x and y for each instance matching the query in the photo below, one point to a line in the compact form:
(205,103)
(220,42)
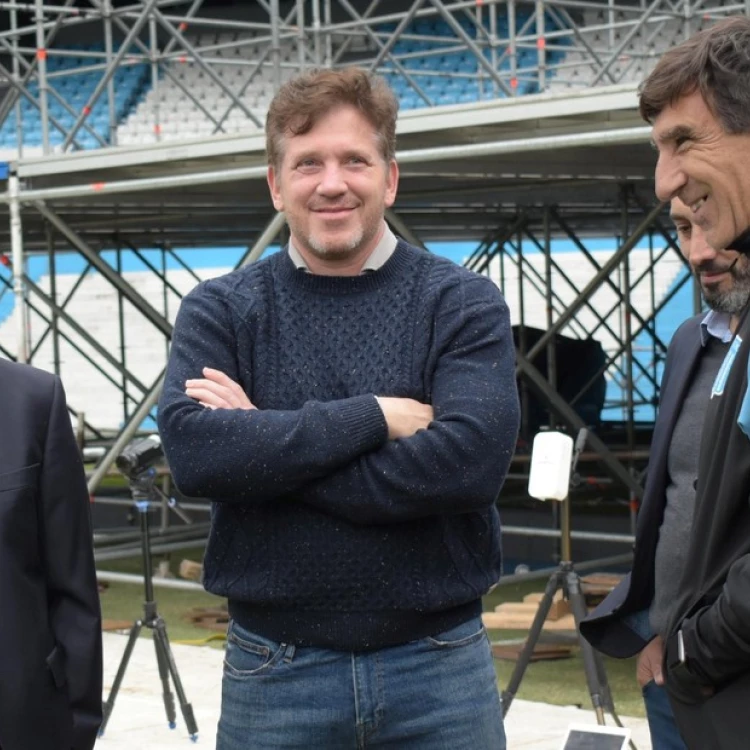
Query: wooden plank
(212,618)
(608,579)
(541,652)
(110,626)
(600,582)
(597,585)
(501,621)
(191,570)
(559,607)
(521,608)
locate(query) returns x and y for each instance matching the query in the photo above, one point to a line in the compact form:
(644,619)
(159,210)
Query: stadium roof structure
(465,171)
(547,144)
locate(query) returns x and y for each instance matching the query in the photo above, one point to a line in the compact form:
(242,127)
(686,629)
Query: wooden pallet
(520,615)
(541,652)
(112,626)
(597,585)
(211,618)
(191,570)
(522,621)
(558,609)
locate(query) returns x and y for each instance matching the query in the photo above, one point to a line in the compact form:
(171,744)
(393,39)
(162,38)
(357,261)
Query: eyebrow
(671,135)
(307,154)
(314,153)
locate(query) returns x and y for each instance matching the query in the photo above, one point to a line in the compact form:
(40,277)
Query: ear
(275,188)
(391,183)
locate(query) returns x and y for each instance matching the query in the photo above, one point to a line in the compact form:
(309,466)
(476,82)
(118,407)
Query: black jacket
(50,627)
(710,692)
(605,628)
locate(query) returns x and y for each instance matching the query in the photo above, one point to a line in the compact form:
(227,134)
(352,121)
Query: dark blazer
(710,691)
(50,624)
(605,627)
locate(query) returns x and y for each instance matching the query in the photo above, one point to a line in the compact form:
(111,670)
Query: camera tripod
(143,490)
(566,578)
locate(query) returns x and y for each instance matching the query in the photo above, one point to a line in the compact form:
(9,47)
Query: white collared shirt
(716,324)
(377,258)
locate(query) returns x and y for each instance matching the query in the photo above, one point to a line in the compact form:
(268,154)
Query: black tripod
(566,578)
(143,490)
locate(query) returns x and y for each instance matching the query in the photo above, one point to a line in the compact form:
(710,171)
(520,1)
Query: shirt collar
(716,324)
(376,260)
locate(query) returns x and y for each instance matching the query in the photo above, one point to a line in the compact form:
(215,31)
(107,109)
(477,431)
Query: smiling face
(334,185)
(705,167)
(724,275)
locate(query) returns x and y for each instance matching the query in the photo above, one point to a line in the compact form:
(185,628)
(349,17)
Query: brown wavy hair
(303,100)
(714,62)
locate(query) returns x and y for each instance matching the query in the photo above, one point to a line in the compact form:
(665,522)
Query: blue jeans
(437,693)
(661,723)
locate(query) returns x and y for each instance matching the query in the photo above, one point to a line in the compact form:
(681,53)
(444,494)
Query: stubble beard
(325,250)
(735,299)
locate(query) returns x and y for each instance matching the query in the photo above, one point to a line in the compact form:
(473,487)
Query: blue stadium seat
(443,88)
(76,89)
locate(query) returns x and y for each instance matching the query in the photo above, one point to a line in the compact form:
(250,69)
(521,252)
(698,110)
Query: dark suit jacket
(710,692)
(50,625)
(605,627)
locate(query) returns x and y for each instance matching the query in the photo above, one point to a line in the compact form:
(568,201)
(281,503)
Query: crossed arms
(215,390)
(369,458)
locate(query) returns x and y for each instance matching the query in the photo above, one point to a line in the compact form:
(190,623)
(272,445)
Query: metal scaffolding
(551,147)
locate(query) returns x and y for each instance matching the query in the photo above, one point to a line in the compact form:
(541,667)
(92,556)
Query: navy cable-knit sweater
(324,531)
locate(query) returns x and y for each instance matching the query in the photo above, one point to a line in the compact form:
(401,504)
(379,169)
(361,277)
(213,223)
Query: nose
(699,251)
(669,177)
(332,181)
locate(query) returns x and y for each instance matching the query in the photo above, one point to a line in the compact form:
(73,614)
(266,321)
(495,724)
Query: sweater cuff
(364,422)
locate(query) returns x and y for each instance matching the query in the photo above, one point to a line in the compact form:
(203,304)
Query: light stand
(144,493)
(565,578)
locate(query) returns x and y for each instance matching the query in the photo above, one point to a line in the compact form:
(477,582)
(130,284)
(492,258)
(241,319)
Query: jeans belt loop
(289,652)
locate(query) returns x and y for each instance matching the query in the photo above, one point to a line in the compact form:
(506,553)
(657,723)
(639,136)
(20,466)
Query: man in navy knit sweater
(349,405)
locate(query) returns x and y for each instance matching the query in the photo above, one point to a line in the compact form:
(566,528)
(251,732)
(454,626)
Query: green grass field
(559,682)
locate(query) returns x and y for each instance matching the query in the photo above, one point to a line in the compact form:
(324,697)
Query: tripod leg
(161,661)
(110,702)
(524,657)
(160,634)
(607,700)
(605,694)
(593,668)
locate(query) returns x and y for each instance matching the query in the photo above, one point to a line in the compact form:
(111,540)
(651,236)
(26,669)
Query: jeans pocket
(462,635)
(248,654)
